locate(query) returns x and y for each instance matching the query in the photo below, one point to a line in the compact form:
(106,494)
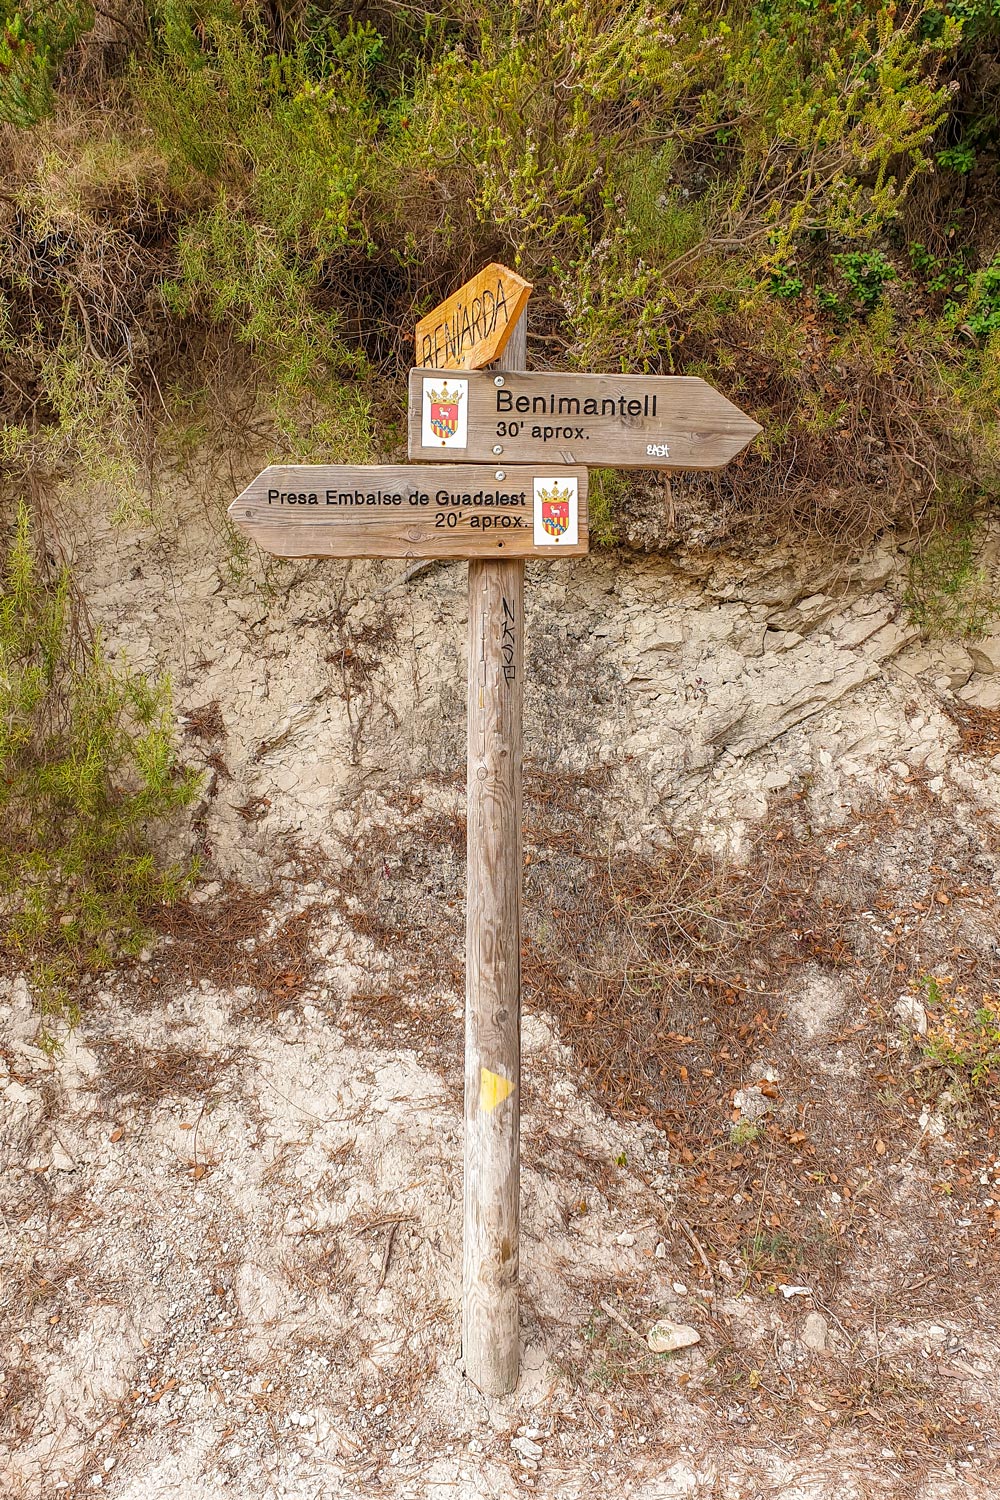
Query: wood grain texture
(634,422)
(472,326)
(493,977)
(334,527)
(490,1302)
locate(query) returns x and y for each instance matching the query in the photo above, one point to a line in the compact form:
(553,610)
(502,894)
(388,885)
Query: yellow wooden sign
(470,328)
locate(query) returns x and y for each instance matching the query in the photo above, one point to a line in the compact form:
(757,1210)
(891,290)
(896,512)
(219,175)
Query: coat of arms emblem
(444,412)
(556,511)
(445,417)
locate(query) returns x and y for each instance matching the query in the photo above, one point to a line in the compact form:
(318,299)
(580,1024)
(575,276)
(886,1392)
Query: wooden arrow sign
(603,421)
(471,327)
(467,510)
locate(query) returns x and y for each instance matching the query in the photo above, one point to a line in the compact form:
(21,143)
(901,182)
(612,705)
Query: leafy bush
(608,489)
(981,314)
(866,274)
(936,275)
(959,158)
(978,18)
(87,766)
(282,145)
(34,37)
(784,282)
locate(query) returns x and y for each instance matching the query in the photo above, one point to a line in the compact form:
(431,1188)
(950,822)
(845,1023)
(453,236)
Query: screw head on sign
(497,448)
(498,380)
(250,513)
(501,474)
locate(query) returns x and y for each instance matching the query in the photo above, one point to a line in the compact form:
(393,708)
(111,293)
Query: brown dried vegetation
(671,978)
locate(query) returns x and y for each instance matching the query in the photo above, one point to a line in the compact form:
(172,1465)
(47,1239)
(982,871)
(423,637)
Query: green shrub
(960,158)
(981,313)
(948,593)
(608,489)
(866,274)
(34,37)
(87,768)
(963,1032)
(686,187)
(784,282)
(937,275)
(978,18)
(282,147)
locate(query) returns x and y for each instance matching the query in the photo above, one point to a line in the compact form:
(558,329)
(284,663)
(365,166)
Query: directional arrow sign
(604,421)
(389,511)
(472,326)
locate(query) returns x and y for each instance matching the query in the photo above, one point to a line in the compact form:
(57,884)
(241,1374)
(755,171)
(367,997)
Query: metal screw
(501,474)
(498,380)
(250,513)
(497,448)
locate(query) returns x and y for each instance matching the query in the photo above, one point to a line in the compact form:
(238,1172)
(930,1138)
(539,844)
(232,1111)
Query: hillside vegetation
(221,220)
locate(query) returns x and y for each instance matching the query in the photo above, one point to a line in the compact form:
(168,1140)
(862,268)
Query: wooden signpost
(604,421)
(472,326)
(432,511)
(503,477)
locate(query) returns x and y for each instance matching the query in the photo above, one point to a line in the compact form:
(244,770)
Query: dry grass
(20,1402)
(147,1076)
(979,727)
(205,722)
(280,968)
(238,944)
(669,980)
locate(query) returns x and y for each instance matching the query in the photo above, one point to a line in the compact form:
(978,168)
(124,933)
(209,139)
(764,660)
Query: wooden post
(490,1308)
(495,512)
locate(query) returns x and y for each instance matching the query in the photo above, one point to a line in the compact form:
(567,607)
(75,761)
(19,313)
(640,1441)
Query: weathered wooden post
(502,474)
(490,1303)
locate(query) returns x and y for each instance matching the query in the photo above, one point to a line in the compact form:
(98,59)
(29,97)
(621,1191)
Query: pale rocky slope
(253,1265)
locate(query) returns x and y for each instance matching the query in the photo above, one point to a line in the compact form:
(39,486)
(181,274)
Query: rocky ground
(761,961)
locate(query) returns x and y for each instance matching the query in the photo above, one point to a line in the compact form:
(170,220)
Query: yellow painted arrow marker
(493,1090)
